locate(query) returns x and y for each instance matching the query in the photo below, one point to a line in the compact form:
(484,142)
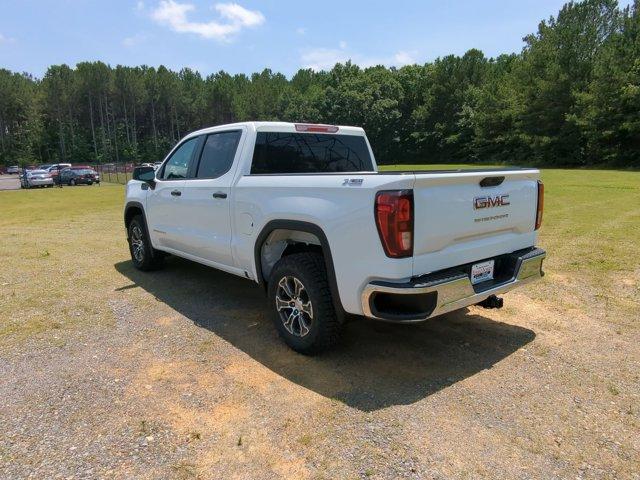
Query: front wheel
(304,313)
(143,255)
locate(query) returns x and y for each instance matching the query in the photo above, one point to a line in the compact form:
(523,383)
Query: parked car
(36,178)
(12,170)
(302,210)
(55,169)
(79,175)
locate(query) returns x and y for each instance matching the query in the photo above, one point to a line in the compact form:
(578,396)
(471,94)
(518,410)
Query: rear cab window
(218,153)
(294,152)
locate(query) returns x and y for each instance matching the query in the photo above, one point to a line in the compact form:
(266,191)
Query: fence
(115,172)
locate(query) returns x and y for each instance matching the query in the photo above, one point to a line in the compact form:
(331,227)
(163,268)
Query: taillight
(394,219)
(540,207)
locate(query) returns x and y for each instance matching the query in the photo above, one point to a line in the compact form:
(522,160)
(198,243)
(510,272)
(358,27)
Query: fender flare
(134,204)
(301,226)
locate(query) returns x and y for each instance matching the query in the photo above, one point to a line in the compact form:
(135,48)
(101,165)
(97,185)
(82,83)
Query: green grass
(591,229)
(58,248)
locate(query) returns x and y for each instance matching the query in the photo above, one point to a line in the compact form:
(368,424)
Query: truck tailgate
(458,220)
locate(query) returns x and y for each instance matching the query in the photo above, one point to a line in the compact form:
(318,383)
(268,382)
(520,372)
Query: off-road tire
(72,182)
(143,255)
(325,326)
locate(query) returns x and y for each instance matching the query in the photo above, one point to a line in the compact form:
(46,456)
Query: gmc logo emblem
(490,202)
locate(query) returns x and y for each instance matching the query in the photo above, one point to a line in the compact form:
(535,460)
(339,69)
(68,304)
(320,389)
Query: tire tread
(152,259)
(313,267)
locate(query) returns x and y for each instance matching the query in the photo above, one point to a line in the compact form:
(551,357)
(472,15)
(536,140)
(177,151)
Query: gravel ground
(9,182)
(180,374)
(186,388)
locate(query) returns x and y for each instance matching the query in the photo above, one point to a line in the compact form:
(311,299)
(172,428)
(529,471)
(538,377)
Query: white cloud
(234,19)
(404,58)
(4,39)
(240,15)
(134,40)
(301,30)
(326,58)
(323,58)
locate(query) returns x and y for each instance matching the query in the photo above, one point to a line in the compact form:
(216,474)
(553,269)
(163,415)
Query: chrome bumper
(453,290)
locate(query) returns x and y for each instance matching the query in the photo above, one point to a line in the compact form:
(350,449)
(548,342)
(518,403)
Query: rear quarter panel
(344,213)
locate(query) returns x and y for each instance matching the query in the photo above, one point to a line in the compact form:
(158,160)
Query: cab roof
(286,127)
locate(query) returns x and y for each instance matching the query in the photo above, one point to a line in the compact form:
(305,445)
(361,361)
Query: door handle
(219,195)
(176,193)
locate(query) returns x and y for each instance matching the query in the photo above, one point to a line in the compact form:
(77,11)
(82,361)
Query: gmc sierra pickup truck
(302,210)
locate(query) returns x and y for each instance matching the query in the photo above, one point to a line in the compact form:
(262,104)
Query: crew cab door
(164,201)
(205,202)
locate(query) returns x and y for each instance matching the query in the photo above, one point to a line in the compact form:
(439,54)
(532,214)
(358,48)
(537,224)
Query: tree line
(571,97)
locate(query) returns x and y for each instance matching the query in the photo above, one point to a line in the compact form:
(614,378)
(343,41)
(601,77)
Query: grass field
(546,387)
(591,230)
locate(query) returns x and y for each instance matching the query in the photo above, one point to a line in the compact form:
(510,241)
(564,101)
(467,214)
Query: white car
(13,169)
(302,210)
(36,178)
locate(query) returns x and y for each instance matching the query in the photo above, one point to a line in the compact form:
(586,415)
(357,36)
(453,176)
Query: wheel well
(283,242)
(130,213)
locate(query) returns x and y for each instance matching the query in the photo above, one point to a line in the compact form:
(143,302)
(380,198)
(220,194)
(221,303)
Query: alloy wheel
(137,243)
(294,306)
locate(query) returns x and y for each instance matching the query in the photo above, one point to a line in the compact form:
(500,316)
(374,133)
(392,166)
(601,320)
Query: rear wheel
(301,297)
(72,182)
(143,255)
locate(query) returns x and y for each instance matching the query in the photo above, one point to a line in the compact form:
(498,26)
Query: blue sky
(245,36)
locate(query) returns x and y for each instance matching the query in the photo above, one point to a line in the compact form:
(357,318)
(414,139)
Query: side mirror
(145,174)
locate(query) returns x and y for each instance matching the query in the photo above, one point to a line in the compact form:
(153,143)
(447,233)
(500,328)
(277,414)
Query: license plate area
(481,272)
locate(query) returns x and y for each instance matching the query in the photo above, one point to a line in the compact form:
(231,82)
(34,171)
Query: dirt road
(9,182)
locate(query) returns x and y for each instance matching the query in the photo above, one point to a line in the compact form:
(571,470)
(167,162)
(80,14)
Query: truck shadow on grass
(375,366)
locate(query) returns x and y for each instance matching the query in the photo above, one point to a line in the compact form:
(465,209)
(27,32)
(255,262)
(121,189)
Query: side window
(178,164)
(218,153)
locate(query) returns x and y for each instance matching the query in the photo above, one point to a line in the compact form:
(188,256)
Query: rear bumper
(441,292)
(40,182)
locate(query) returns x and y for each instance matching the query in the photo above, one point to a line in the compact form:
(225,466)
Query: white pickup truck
(302,210)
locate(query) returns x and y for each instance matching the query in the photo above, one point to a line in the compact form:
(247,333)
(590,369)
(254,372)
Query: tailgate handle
(491,181)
